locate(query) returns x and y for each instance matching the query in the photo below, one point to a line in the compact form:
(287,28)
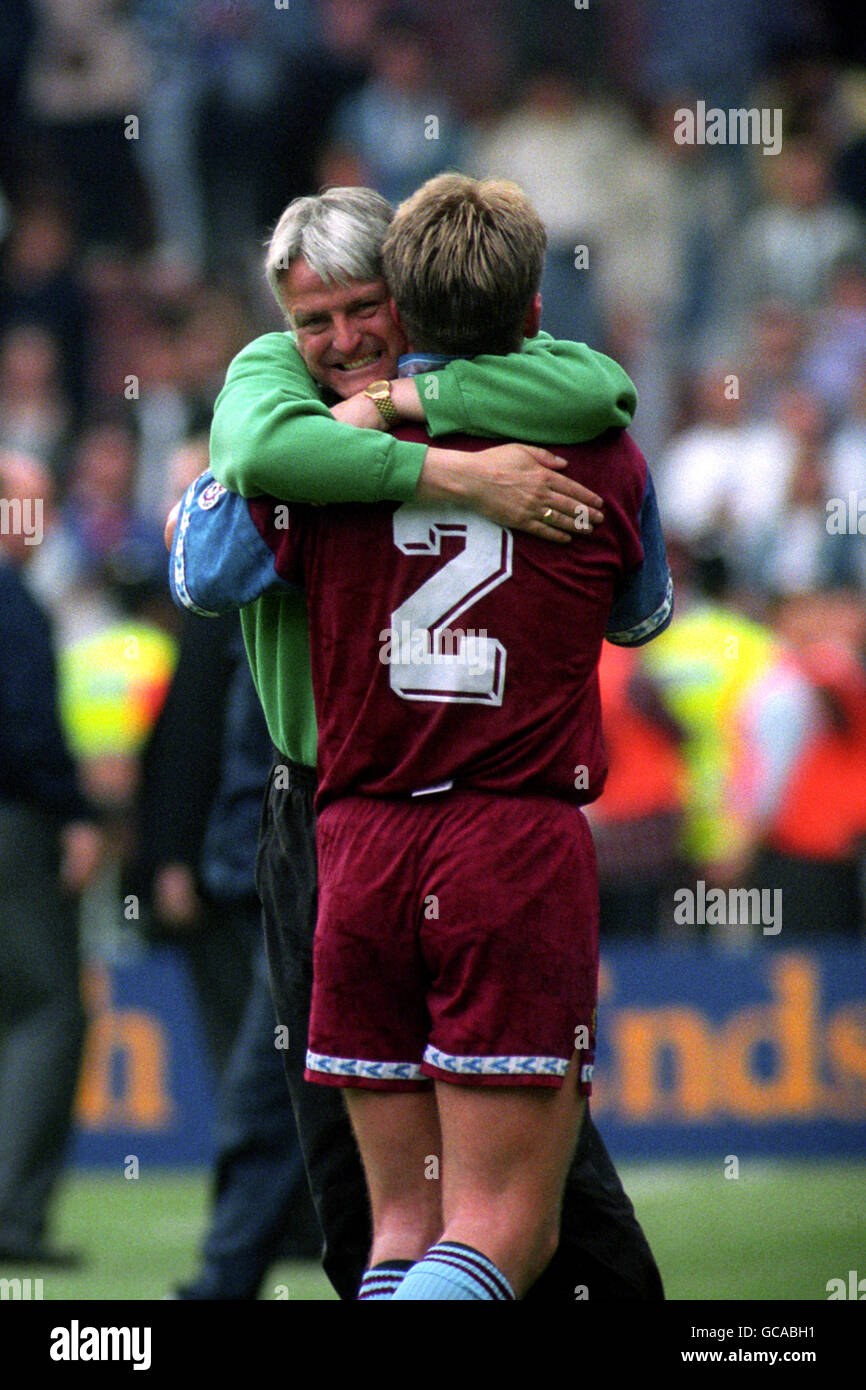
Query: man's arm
(272,434)
(548,393)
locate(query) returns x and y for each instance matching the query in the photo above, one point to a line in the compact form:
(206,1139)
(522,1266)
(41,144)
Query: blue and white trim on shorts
(495,1066)
(445,1063)
(364,1070)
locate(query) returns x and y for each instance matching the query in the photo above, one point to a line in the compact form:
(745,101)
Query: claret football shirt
(447,651)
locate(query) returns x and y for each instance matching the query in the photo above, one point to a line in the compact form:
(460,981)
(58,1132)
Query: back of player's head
(463,259)
(338,233)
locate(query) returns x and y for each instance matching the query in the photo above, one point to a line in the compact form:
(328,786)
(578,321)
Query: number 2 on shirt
(427,662)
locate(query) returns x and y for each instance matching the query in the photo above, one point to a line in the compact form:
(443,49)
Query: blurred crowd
(146,149)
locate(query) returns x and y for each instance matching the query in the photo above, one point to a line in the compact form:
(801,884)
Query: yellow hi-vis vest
(112,687)
(707,663)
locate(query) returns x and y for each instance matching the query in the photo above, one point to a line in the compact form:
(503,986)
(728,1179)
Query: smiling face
(346,334)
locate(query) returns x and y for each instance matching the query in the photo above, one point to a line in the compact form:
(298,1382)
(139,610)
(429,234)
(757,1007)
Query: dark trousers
(41,1022)
(261,1204)
(219,958)
(602,1246)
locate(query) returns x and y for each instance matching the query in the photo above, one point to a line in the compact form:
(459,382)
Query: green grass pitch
(778,1231)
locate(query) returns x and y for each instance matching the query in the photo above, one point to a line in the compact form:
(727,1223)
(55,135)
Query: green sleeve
(273,434)
(548,393)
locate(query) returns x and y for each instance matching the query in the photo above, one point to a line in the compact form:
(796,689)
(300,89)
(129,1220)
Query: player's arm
(227,550)
(272,434)
(644,603)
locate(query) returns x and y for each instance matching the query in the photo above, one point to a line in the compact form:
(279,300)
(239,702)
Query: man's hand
(516,485)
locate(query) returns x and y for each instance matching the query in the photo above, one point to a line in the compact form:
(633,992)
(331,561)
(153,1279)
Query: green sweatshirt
(273,434)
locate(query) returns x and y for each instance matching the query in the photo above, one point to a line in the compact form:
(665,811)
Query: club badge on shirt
(211,495)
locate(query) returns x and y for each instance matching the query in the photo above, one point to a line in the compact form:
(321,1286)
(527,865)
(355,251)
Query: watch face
(380,394)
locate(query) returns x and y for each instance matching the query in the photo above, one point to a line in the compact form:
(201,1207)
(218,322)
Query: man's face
(346,334)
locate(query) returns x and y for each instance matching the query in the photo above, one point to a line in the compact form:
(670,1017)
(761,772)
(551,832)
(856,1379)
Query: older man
(272,434)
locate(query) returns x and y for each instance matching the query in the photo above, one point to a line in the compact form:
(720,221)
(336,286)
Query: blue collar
(411,363)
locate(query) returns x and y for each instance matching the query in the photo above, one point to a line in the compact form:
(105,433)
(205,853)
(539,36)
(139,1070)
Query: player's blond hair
(463,260)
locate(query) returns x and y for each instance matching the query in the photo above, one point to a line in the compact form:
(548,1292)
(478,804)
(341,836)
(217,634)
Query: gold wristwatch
(380,394)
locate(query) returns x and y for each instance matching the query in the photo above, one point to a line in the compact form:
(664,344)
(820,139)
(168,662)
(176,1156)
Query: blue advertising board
(701,1052)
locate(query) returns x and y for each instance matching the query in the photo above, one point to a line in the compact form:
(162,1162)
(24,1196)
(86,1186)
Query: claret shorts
(457,940)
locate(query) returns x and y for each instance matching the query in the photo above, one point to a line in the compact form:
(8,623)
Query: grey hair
(339,233)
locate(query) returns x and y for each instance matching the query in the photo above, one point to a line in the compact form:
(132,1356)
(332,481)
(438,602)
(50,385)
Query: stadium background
(145,151)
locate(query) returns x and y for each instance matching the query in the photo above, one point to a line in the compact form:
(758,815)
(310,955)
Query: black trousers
(42,1022)
(261,1208)
(602,1248)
